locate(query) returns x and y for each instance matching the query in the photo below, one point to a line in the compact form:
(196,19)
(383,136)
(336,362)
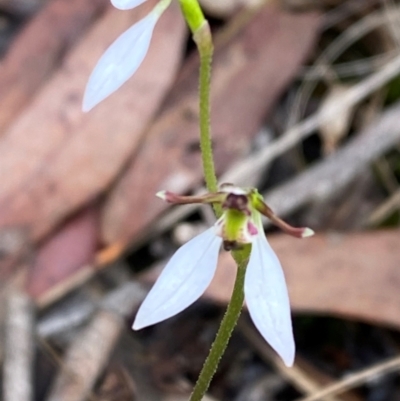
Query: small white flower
(192,267)
(124,56)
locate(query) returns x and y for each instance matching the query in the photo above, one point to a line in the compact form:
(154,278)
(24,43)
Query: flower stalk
(226,328)
(203,40)
(193,14)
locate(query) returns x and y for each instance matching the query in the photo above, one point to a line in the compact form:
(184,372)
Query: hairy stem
(204,43)
(225,329)
(203,39)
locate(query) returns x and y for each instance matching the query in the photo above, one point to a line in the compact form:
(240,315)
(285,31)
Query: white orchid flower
(122,59)
(192,267)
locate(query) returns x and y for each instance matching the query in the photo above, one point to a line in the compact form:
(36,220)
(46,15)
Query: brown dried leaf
(72,247)
(54,158)
(38,50)
(249,73)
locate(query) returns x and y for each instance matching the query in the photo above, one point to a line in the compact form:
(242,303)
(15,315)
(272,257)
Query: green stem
(202,37)
(225,329)
(193,14)
(203,40)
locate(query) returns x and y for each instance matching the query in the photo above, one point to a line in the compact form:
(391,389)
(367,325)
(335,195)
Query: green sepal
(257,203)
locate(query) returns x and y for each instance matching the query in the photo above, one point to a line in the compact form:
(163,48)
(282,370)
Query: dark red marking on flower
(238,202)
(232,245)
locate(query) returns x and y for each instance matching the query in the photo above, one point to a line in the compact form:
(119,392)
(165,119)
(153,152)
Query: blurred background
(305,106)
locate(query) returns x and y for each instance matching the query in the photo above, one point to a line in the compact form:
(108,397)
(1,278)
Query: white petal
(267,299)
(183,280)
(126,4)
(119,62)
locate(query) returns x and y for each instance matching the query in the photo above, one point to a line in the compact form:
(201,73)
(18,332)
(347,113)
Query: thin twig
(86,357)
(347,69)
(296,376)
(356,379)
(321,181)
(354,95)
(337,47)
(389,206)
(345,10)
(390,7)
(19,346)
(69,316)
